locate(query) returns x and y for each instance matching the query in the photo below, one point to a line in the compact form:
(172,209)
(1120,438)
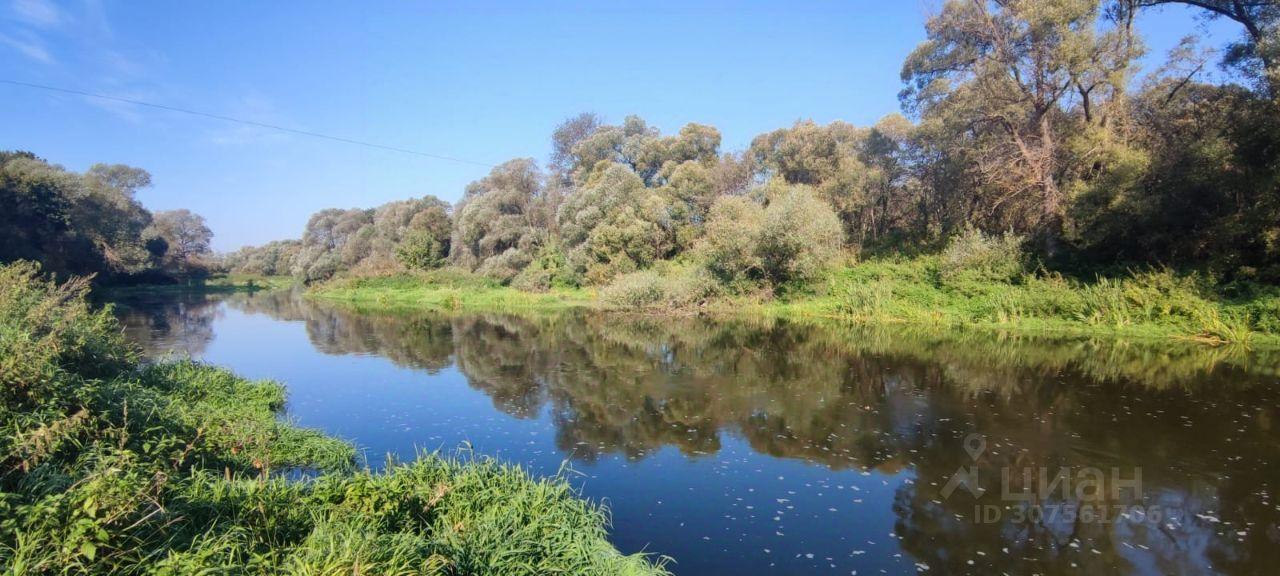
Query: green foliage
(549,270)
(391,238)
(826,158)
(91,223)
(1155,302)
(690,286)
(732,234)
(186,238)
(985,256)
(177,468)
(47,331)
(675,288)
(634,290)
(1206,195)
(1019,116)
(790,240)
(420,250)
(501,221)
(278,258)
(799,236)
(614,225)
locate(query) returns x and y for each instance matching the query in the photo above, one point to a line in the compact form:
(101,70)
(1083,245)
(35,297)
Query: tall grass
(976,280)
(180,468)
(1151,302)
(445,289)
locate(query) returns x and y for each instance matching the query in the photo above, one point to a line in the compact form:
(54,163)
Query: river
(773,447)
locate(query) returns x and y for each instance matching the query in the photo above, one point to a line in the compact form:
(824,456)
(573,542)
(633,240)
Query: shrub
(499,223)
(1264,313)
(47,333)
(420,250)
(799,236)
(634,290)
(550,269)
(504,266)
(690,286)
(614,224)
(732,235)
(988,257)
(678,287)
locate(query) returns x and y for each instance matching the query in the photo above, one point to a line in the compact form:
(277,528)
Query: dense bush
(673,288)
(791,239)
(729,246)
(634,290)
(421,250)
(550,269)
(179,468)
(614,225)
(985,256)
(799,236)
(271,259)
(406,234)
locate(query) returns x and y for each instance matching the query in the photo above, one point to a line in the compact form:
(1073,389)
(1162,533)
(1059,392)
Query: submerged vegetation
(109,466)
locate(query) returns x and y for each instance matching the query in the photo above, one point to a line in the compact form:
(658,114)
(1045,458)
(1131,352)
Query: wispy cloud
(91,56)
(38,13)
(29,20)
(29,46)
(88,54)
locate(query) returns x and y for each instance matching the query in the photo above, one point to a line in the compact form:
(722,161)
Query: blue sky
(484,81)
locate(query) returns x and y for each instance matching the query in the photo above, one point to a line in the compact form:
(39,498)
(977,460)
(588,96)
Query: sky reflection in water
(770,447)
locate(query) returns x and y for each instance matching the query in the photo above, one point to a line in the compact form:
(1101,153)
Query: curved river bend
(771,447)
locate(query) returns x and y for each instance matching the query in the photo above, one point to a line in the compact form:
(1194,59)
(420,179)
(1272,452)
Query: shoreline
(401,293)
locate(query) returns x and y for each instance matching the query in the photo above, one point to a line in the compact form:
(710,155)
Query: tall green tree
(614,224)
(499,223)
(187,236)
(1012,78)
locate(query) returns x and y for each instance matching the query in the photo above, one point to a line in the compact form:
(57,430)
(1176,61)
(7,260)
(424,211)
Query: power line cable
(245,122)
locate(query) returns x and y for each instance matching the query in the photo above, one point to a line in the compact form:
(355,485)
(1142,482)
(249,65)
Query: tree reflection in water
(1197,421)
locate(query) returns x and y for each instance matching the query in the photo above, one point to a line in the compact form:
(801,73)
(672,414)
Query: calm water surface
(770,447)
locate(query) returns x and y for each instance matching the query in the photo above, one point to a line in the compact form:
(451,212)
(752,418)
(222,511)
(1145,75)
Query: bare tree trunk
(1051,202)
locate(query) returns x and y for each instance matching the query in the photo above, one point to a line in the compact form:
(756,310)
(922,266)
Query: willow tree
(1010,80)
(614,224)
(823,157)
(186,235)
(499,223)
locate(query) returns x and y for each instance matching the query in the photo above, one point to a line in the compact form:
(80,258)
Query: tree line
(91,223)
(1022,118)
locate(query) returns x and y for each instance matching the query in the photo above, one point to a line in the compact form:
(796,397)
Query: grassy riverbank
(920,291)
(108,466)
(448,289)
